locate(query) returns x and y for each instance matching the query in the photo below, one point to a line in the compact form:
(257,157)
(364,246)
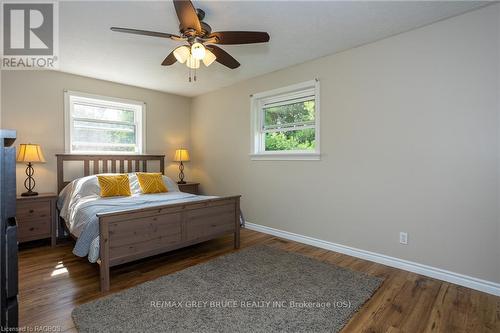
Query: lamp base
(29,183)
(181,174)
(29,194)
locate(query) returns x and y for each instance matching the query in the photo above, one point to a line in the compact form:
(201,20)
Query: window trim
(141,130)
(256,143)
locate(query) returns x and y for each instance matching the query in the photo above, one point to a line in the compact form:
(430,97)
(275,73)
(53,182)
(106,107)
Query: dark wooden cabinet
(37,217)
(190,187)
(8,230)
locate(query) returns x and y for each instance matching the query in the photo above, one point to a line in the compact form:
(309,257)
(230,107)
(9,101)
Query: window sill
(285,157)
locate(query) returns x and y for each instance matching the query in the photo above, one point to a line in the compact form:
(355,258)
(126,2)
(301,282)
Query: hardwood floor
(53,281)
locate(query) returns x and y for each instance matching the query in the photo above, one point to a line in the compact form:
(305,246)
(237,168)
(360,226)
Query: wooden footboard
(134,234)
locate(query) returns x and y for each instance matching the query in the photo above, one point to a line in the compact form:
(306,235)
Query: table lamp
(30,153)
(181,155)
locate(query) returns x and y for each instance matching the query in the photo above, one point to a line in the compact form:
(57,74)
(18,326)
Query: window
(285,123)
(105,125)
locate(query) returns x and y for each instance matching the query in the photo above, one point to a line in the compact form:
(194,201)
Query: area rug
(259,289)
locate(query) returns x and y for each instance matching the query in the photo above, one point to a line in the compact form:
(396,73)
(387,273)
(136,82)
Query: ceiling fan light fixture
(198,51)
(194,33)
(192,62)
(182,53)
(209,58)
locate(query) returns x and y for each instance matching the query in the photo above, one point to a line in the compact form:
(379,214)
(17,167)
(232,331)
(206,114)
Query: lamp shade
(30,153)
(181,155)
(182,53)
(209,58)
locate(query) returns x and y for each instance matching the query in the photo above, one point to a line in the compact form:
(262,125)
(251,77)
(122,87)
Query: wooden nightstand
(189,187)
(36,217)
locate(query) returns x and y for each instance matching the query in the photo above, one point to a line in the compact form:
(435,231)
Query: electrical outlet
(403,238)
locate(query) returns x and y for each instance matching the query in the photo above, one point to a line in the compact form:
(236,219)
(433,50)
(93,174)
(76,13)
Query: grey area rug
(259,289)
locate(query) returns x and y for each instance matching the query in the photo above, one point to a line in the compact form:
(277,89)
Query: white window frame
(257,148)
(136,106)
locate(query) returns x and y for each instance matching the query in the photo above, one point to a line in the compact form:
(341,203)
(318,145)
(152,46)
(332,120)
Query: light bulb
(192,62)
(182,53)
(198,51)
(209,58)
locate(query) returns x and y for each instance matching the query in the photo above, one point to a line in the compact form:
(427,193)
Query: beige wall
(32,103)
(409,138)
(498,118)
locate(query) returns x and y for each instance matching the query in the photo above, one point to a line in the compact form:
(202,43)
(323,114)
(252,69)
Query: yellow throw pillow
(151,182)
(114,185)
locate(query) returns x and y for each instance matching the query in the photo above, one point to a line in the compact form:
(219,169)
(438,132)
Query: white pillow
(135,187)
(89,185)
(171,185)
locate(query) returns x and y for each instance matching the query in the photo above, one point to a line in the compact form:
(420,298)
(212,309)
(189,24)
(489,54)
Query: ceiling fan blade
(223,57)
(169,60)
(145,32)
(240,37)
(187,15)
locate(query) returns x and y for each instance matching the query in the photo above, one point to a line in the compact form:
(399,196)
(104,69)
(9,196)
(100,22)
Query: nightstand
(36,217)
(189,187)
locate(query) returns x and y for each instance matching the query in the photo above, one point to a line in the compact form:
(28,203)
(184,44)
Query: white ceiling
(300,31)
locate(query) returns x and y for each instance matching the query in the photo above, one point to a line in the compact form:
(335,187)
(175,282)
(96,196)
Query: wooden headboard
(106,164)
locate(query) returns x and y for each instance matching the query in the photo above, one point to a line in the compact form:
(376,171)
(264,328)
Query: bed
(115,231)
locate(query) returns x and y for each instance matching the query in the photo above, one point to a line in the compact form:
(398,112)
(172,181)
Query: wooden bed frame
(129,235)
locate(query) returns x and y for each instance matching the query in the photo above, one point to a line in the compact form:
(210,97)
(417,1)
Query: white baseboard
(433,272)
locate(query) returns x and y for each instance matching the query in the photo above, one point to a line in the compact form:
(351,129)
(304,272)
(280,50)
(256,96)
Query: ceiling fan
(200,40)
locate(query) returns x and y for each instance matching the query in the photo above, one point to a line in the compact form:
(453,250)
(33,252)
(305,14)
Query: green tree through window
(290,126)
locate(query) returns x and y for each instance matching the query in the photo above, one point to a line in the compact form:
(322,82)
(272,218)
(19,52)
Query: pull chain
(192,74)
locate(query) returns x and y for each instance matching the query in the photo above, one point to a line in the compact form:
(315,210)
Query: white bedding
(79,203)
